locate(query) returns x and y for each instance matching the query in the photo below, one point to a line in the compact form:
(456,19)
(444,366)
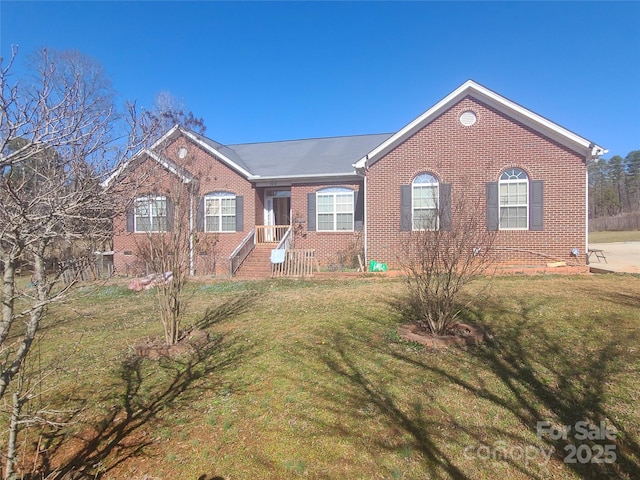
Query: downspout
(586,237)
(192,270)
(363,173)
(366,224)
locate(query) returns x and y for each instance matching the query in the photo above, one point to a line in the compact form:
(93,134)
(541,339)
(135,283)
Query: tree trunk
(10,473)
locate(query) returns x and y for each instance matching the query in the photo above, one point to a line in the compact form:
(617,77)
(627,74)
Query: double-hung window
(220,212)
(150,214)
(334,209)
(424,202)
(513,188)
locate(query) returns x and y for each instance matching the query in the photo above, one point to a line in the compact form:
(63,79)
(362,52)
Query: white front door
(269,218)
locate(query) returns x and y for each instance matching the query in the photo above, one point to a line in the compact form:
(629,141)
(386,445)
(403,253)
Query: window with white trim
(220,212)
(334,209)
(513,194)
(150,214)
(424,202)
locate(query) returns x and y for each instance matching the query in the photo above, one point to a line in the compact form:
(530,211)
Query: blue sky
(263,71)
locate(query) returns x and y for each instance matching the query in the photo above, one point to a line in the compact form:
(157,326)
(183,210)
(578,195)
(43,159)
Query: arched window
(220,212)
(150,214)
(334,209)
(424,201)
(513,188)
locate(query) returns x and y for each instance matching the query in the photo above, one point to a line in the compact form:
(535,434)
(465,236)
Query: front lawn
(308,379)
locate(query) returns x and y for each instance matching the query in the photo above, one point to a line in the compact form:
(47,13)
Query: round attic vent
(468,118)
(182,152)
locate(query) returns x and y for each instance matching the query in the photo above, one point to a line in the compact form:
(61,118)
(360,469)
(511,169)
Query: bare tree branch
(60,136)
(439,262)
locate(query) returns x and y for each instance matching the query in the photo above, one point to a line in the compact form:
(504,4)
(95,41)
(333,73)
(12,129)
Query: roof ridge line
(310,138)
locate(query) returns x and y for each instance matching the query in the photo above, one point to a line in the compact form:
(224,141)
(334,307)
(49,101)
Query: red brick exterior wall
(212,250)
(332,249)
(469,156)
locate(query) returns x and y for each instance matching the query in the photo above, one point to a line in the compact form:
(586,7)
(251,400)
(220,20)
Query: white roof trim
(230,163)
(173,169)
(160,159)
(304,175)
(169,165)
(164,137)
(527,117)
(285,180)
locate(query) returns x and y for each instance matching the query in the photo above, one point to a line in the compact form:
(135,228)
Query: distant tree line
(614,186)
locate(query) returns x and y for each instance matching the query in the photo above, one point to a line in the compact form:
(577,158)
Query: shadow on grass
(528,370)
(364,391)
(144,390)
(563,383)
(233,307)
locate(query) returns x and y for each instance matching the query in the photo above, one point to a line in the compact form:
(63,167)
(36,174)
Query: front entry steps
(258,263)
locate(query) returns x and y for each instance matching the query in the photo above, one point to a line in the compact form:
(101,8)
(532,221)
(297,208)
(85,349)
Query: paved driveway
(621,257)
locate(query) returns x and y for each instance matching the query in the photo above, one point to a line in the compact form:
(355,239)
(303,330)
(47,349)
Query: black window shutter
(200,214)
(311,212)
(359,210)
(239,213)
(444,205)
(405,208)
(492,206)
(170,214)
(536,204)
(130,219)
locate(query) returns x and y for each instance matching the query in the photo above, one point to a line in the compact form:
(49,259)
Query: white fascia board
(165,137)
(169,165)
(230,163)
(527,117)
(537,122)
(271,181)
(155,157)
(417,123)
(116,173)
(125,164)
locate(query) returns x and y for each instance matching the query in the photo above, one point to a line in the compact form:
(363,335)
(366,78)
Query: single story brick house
(346,196)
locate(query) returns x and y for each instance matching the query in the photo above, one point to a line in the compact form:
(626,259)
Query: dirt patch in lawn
(155,348)
(463,334)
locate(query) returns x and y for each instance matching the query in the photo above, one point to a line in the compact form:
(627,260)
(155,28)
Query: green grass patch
(613,237)
(309,379)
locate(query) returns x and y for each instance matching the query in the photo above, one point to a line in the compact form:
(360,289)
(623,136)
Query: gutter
(286,180)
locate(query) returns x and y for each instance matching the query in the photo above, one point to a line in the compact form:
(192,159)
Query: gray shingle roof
(224,150)
(318,156)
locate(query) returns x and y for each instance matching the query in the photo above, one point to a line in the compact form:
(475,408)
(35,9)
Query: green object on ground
(377,266)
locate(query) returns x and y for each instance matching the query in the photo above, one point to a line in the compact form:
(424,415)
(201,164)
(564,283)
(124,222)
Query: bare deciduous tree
(452,250)
(165,250)
(60,136)
(168,247)
(169,111)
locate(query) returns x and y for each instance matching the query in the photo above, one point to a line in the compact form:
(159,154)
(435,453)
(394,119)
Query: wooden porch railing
(242,252)
(285,241)
(297,263)
(270,233)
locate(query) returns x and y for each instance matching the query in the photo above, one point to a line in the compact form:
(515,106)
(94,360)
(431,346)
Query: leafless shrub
(440,261)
